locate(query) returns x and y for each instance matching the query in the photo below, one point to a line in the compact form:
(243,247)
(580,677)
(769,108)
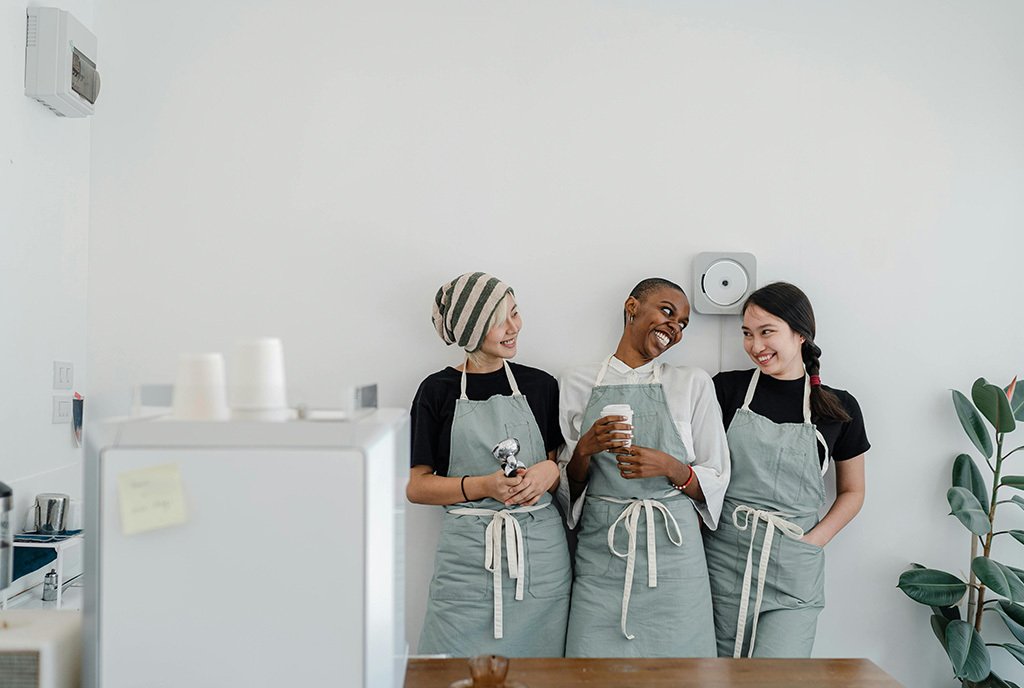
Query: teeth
(764,358)
(662,337)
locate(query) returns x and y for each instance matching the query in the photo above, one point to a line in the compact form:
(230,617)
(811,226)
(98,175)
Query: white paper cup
(199,390)
(621,410)
(257,380)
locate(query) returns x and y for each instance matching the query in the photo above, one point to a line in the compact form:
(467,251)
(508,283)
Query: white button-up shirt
(692,403)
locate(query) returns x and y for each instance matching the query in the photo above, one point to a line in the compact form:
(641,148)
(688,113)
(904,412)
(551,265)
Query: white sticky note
(151,498)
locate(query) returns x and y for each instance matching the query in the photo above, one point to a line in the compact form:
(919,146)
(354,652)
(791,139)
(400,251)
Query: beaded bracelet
(684,485)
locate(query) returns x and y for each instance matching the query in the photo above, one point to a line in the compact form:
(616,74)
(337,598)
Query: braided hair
(790,304)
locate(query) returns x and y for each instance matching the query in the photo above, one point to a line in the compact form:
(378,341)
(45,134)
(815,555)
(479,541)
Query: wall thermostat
(60,62)
(722,281)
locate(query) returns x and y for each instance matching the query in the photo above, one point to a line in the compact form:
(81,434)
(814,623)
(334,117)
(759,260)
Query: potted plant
(993,588)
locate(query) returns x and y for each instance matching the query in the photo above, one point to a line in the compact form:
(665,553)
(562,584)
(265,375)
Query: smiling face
(772,344)
(653,325)
(502,338)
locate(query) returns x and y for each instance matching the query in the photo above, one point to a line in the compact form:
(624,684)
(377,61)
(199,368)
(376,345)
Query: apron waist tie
(744,517)
(515,552)
(630,518)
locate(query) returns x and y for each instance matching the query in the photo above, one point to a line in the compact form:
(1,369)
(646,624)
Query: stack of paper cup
(199,388)
(257,381)
(621,410)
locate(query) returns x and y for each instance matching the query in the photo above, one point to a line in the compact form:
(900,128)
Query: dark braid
(645,287)
(789,303)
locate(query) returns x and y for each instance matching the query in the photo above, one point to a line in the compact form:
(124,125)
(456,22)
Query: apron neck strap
(508,374)
(807,419)
(807,399)
(655,375)
(750,389)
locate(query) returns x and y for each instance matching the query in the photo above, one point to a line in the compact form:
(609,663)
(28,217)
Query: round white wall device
(722,281)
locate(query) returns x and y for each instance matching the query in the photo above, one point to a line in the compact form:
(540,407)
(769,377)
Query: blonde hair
(499,316)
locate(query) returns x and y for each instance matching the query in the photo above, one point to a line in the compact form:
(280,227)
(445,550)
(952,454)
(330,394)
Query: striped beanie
(463,306)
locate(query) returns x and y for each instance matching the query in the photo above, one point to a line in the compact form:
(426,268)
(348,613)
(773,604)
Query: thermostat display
(85,80)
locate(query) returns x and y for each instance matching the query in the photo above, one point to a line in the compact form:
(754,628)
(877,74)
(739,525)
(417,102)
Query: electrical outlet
(62,410)
(63,374)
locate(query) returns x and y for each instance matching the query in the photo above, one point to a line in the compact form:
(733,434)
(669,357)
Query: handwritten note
(151,498)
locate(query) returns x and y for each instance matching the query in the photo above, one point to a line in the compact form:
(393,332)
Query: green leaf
(1016,650)
(1016,481)
(966,474)
(994,681)
(991,681)
(939,624)
(1013,617)
(1018,500)
(972,423)
(1017,535)
(1019,572)
(998,578)
(993,404)
(1017,402)
(966,508)
(932,587)
(967,651)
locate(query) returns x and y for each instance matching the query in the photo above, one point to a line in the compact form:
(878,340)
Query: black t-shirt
(781,401)
(434,408)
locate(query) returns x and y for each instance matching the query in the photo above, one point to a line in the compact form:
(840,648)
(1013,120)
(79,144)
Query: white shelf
(61,546)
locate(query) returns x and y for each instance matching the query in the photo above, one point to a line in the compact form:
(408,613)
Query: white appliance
(60,62)
(40,648)
(277,558)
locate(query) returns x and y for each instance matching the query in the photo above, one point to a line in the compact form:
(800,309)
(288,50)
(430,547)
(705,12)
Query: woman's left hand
(813,539)
(537,479)
(644,462)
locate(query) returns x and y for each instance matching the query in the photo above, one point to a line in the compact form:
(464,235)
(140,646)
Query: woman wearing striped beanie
(491,593)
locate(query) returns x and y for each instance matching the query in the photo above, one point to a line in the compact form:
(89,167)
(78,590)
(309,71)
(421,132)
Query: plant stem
(972,594)
(991,521)
(1012,451)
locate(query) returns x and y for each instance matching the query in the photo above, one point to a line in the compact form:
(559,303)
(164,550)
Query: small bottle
(50,586)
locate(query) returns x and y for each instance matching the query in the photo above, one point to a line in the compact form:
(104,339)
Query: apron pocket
(459,572)
(683,562)
(592,555)
(530,451)
(800,574)
(726,552)
(647,431)
(547,557)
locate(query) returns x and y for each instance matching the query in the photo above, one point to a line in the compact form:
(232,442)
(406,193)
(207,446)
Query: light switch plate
(62,410)
(722,281)
(63,374)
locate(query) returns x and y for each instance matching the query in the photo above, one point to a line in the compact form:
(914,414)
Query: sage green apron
(501,575)
(668,614)
(773,498)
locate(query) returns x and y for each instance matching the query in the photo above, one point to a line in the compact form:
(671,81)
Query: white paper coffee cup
(199,389)
(621,410)
(257,380)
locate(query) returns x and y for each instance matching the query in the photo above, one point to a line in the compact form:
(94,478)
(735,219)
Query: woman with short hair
(641,582)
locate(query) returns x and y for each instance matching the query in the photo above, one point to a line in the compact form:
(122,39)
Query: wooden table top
(658,673)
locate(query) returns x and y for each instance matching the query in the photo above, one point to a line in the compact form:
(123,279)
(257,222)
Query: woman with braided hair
(766,560)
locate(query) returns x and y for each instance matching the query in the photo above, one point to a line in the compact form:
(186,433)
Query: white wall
(316,171)
(44,226)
